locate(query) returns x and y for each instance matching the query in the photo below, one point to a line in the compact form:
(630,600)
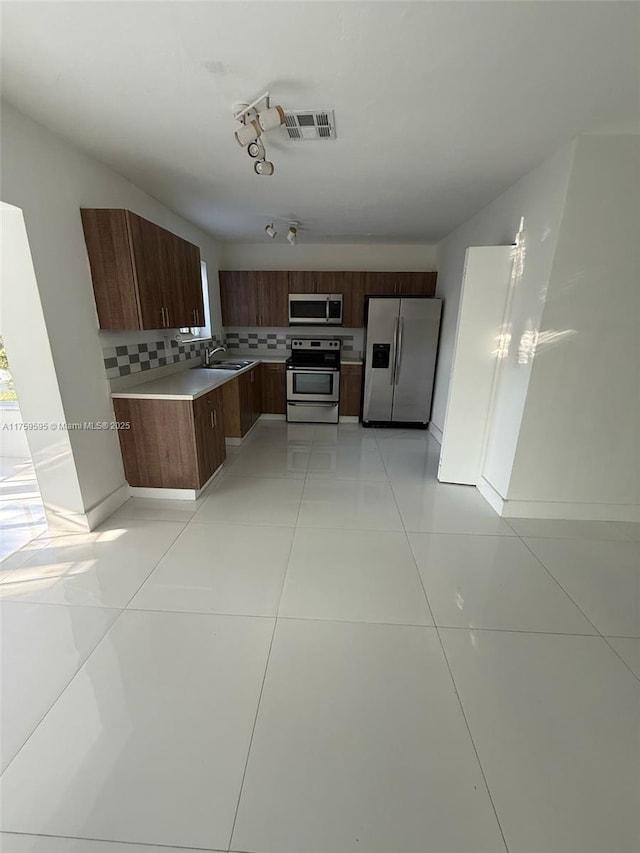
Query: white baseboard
(61,521)
(435,431)
(491,496)
(173,494)
(557,510)
(236,442)
(101,511)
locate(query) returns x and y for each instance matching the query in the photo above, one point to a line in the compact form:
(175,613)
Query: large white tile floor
(329,652)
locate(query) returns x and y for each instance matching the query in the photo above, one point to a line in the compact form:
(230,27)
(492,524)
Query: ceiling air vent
(310,124)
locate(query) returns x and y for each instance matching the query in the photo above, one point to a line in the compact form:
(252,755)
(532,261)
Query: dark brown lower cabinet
(171,444)
(274,395)
(350,389)
(242,398)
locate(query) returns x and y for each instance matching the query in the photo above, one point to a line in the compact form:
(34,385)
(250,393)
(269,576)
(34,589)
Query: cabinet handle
(215,417)
(162,316)
(211,419)
(168,321)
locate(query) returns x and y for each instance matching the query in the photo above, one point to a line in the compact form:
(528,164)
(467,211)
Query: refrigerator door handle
(392,377)
(396,369)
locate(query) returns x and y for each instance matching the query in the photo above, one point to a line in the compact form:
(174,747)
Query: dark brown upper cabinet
(259,298)
(251,298)
(144,277)
(388,284)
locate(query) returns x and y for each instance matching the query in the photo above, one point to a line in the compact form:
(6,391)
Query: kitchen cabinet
(242,400)
(144,277)
(350,389)
(259,298)
(171,444)
(274,394)
(305,281)
(183,265)
(387,284)
(254,298)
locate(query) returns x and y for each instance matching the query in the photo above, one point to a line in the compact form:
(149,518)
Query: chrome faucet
(209,353)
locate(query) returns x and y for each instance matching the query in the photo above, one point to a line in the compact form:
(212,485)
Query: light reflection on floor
(21,512)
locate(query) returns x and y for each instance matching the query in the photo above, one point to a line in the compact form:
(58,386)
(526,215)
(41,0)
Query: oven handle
(310,403)
(292,367)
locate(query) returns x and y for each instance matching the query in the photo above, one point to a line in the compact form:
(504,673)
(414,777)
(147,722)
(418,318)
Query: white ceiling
(439,105)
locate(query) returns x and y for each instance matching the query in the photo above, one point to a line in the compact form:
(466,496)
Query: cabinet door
(186,298)
(246,402)
(238,298)
(209,428)
(310,281)
(255,376)
(192,278)
(172,296)
(149,254)
(159,449)
(300,281)
(272,290)
(416,283)
(273,388)
(220,449)
(108,240)
(350,389)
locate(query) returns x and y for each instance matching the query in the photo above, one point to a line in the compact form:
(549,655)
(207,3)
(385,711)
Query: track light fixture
(263,167)
(256,149)
(292,233)
(253,123)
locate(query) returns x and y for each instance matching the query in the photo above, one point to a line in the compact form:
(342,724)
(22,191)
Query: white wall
(539,197)
(50,180)
(276,255)
(579,440)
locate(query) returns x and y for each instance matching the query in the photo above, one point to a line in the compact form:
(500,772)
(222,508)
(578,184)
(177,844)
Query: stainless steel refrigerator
(400,360)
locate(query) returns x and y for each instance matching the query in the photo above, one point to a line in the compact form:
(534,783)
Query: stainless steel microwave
(315,309)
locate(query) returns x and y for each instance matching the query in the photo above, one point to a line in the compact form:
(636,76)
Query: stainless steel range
(313,380)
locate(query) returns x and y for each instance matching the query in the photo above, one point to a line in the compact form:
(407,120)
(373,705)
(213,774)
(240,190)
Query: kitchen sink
(226,365)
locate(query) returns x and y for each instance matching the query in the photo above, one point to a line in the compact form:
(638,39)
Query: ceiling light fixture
(256,149)
(253,123)
(263,167)
(270,230)
(292,233)
(247,132)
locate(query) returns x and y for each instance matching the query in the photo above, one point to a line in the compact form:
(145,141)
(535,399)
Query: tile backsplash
(134,358)
(127,359)
(276,342)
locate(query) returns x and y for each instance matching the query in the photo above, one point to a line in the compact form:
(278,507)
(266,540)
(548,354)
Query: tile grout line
(266,668)
(455,687)
(111,841)
(571,598)
(86,660)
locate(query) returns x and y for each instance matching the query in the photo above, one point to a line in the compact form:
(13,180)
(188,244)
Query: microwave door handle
(327,309)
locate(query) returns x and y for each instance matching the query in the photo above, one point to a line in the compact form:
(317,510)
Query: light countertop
(186,385)
(193,382)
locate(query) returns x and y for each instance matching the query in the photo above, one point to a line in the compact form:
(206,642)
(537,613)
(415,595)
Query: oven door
(313,385)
